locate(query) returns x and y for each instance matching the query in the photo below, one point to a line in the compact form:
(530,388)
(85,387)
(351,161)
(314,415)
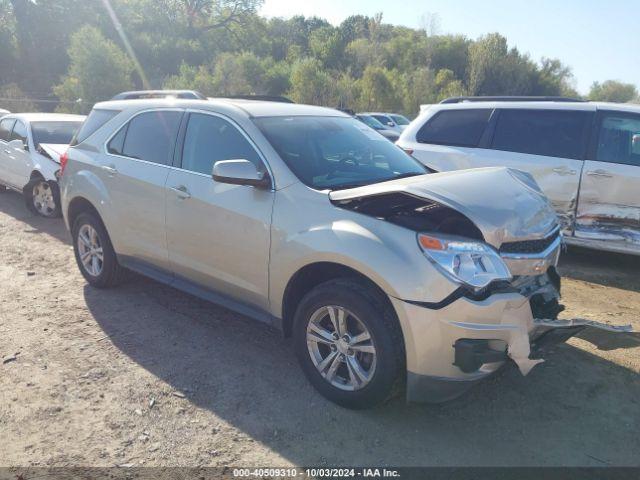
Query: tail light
(64,158)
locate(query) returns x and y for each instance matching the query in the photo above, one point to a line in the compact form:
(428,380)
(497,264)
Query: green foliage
(98,70)
(614,91)
(80,49)
(15,99)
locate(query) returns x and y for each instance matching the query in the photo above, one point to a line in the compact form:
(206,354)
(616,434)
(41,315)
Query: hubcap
(90,250)
(43,201)
(341,348)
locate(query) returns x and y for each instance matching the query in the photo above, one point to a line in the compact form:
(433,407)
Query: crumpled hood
(54,150)
(505,204)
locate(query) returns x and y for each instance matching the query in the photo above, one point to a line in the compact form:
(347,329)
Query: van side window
(551,133)
(151,136)
(5,128)
(619,139)
(462,128)
(209,139)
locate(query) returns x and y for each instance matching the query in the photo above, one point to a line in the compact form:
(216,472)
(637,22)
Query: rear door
(218,234)
(609,203)
(550,144)
(6,126)
(135,169)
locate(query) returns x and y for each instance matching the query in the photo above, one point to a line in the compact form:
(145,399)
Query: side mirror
(18,144)
(240,172)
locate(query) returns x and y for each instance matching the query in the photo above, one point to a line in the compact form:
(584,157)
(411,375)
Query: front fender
(312,230)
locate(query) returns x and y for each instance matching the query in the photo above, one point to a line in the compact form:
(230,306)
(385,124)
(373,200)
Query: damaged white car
(30,148)
(384,275)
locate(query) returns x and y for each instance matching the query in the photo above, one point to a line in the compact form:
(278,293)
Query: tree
(15,99)
(377,90)
(613,91)
(98,70)
(309,83)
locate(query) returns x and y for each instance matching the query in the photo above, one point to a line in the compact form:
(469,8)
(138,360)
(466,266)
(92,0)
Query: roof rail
(263,98)
(511,99)
(138,94)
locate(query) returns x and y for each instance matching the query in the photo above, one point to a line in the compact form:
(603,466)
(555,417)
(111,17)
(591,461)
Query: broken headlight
(473,263)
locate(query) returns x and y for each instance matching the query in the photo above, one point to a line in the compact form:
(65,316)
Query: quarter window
(96,119)
(117,142)
(5,128)
(619,139)
(462,128)
(551,133)
(210,139)
(19,132)
(151,136)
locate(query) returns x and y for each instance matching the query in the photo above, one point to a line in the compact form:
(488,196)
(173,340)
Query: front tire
(43,197)
(349,344)
(94,253)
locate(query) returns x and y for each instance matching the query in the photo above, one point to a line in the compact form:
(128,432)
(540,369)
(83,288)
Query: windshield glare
(54,132)
(336,152)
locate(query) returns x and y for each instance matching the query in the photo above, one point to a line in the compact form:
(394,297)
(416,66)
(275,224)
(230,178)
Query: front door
(218,234)
(18,158)
(6,125)
(609,203)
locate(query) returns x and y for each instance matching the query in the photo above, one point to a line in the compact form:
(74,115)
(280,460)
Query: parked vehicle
(393,121)
(303,217)
(4,112)
(368,120)
(30,148)
(584,155)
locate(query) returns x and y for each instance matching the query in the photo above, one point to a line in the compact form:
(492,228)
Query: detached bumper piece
(471,354)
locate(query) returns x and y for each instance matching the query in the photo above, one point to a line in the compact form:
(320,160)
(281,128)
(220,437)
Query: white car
(584,155)
(4,112)
(394,121)
(30,148)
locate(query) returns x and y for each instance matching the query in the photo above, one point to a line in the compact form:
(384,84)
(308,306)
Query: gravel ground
(146,375)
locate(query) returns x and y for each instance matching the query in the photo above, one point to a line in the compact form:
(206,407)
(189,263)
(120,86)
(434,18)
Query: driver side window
(209,139)
(19,132)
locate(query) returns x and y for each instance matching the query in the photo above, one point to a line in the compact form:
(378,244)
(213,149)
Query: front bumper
(451,348)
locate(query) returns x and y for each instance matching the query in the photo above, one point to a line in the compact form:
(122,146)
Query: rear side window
(383,119)
(619,139)
(92,123)
(151,136)
(5,128)
(19,132)
(552,133)
(461,128)
(210,139)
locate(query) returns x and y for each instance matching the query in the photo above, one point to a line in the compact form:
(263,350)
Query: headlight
(472,263)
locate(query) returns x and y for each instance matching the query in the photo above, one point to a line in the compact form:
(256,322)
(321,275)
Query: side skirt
(200,291)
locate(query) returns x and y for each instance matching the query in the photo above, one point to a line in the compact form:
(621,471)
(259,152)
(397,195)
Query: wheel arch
(314,274)
(79,205)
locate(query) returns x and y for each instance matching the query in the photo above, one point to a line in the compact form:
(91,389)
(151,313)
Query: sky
(598,39)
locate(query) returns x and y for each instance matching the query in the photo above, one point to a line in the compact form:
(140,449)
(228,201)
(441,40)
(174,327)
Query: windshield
(371,122)
(336,152)
(54,132)
(400,120)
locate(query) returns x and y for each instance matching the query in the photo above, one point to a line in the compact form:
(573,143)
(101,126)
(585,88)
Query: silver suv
(384,275)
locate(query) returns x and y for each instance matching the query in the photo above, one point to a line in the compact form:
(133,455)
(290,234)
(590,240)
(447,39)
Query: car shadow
(604,268)
(12,204)
(246,374)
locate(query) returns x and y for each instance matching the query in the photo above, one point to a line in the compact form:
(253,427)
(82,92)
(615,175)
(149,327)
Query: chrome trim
(533,263)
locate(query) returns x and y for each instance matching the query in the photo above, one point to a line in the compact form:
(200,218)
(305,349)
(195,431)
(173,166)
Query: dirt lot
(146,375)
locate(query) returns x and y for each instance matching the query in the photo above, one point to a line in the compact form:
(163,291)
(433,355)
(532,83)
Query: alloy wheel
(42,198)
(341,348)
(90,250)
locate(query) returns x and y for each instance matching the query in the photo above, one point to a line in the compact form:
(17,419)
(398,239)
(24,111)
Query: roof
(48,117)
(541,105)
(135,94)
(250,108)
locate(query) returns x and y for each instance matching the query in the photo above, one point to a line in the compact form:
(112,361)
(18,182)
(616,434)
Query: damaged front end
(493,233)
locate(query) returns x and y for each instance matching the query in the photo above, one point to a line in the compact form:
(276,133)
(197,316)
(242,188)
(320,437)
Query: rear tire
(94,252)
(360,365)
(42,197)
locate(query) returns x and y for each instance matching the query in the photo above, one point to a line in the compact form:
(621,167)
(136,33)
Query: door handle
(599,173)
(564,171)
(111,170)
(181,191)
